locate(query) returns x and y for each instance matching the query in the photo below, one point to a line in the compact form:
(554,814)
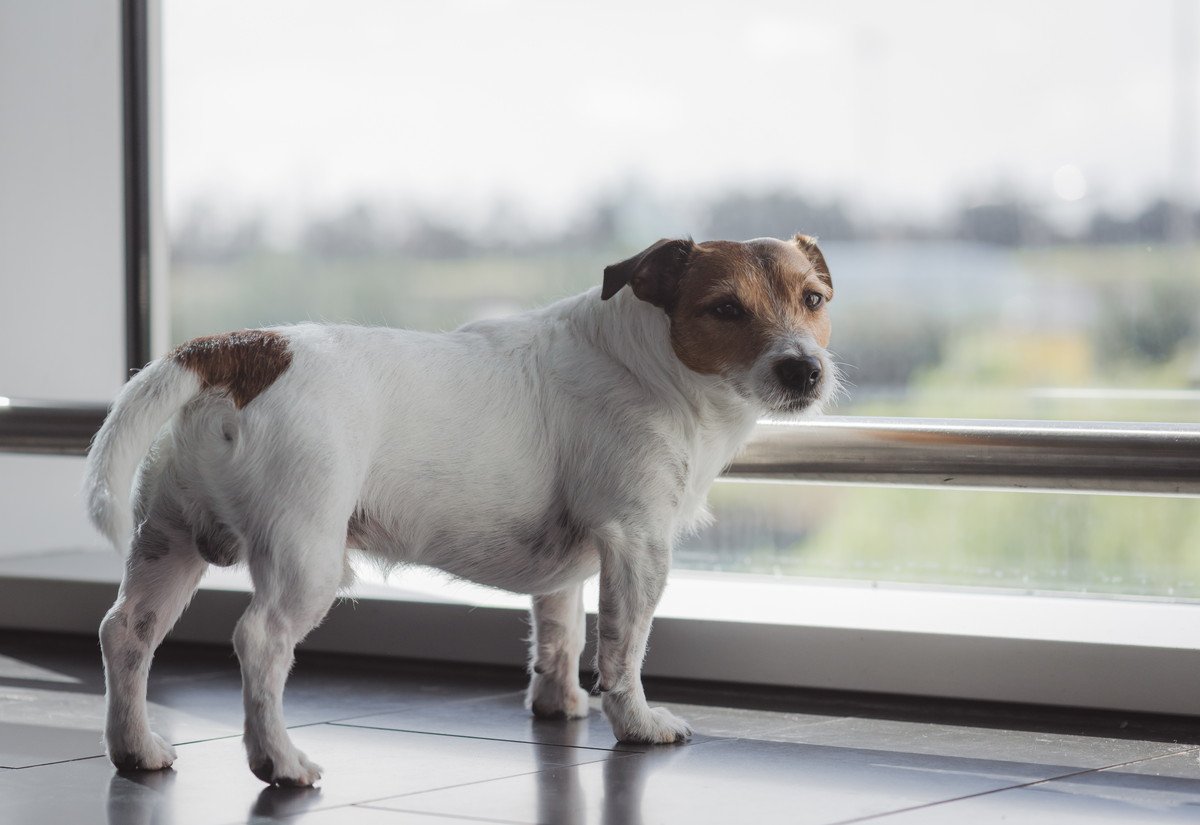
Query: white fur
(528,453)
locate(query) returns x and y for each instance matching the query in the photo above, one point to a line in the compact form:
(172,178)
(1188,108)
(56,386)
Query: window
(1005,193)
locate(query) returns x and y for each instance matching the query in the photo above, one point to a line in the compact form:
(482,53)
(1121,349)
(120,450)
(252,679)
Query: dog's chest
(709,451)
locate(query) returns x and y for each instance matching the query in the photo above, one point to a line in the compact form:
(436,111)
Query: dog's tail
(143,406)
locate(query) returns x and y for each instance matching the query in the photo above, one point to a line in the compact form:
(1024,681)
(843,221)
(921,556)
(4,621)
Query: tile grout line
(402,708)
(366,803)
(371,803)
(597,748)
(341,722)
(172,744)
(869,817)
(367,807)
(105,755)
(600,748)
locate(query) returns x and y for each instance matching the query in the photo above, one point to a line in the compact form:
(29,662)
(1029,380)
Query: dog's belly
(518,559)
(511,565)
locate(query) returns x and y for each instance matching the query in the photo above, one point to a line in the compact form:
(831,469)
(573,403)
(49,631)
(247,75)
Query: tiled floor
(405,743)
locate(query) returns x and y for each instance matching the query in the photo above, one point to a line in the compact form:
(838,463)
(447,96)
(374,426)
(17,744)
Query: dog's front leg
(558,637)
(632,578)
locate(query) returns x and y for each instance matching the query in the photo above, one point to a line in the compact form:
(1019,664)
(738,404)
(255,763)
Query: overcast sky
(299,105)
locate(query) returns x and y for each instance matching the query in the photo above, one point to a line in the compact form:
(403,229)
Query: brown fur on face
(243,363)
(769,279)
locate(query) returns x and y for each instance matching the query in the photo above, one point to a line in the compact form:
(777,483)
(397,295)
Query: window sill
(1133,655)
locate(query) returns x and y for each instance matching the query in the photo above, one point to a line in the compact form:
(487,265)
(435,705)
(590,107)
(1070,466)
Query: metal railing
(48,427)
(1080,456)
(1161,459)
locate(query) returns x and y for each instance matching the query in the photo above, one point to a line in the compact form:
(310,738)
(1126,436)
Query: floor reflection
(140,797)
(625,779)
(561,797)
(276,803)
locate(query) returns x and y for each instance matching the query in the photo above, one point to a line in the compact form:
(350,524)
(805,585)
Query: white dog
(528,453)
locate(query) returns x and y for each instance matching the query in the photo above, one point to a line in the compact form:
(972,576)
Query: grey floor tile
(325,691)
(52,696)
(366,815)
(735,780)
(1067,752)
(52,701)
(505,717)
(38,726)
(424,744)
(745,724)
(45,659)
(211,783)
(22,745)
(1162,790)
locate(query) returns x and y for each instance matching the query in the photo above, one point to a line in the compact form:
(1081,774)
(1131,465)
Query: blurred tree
(203,233)
(1003,222)
(351,233)
(1146,325)
(778,214)
(364,230)
(881,349)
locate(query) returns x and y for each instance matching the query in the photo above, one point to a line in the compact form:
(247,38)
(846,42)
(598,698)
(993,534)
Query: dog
(528,453)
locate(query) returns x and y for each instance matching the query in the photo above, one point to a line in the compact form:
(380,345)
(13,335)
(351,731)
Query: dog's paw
(644,725)
(658,727)
(290,770)
(148,753)
(549,699)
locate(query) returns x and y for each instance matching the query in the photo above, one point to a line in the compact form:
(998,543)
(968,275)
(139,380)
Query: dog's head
(753,313)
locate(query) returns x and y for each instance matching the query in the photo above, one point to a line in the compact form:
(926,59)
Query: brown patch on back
(769,278)
(242,363)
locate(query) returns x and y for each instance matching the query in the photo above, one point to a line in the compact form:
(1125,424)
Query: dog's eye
(812,300)
(729,310)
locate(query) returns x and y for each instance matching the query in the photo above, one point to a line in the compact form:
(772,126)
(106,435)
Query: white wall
(61,242)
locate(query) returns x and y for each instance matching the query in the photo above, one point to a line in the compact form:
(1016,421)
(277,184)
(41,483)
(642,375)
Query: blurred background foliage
(1006,194)
(964,323)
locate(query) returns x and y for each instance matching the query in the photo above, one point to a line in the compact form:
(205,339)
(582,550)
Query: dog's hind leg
(296,577)
(558,638)
(633,575)
(162,572)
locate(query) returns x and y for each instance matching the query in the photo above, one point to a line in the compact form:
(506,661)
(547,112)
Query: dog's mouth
(794,405)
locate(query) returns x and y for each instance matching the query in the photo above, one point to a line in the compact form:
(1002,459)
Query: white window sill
(1134,655)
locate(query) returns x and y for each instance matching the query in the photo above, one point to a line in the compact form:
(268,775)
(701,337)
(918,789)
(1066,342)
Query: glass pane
(1129,545)
(1006,193)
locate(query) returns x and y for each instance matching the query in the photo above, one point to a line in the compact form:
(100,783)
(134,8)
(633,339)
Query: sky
(467,106)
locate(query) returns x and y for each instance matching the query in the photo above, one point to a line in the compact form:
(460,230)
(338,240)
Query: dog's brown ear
(653,273)
(808,245)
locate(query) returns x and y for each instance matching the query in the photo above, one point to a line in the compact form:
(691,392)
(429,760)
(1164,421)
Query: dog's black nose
(799,374)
